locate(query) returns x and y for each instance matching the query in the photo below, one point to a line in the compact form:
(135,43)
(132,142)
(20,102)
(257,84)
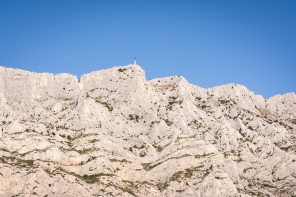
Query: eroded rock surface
(113,133)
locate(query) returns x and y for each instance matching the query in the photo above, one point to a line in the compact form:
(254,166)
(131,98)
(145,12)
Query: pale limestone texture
(114,133)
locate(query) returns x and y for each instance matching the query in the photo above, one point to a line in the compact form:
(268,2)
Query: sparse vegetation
(134,117)
(251,128)
(224,101)
(204,106)
(122,70)
(169,123)
(108,106)
(131,117)
(183,141)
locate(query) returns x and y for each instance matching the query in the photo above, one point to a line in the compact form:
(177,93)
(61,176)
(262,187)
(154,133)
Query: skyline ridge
(131,64)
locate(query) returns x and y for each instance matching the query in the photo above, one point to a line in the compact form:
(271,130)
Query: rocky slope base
(113,133)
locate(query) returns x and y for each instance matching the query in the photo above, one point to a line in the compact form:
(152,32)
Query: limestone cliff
(113,133)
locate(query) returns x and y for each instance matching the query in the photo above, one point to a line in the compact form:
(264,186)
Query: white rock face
(113,133)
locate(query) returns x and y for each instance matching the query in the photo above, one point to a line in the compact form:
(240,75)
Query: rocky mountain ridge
(113,133)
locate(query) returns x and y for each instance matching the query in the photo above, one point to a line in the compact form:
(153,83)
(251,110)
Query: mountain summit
(114,133)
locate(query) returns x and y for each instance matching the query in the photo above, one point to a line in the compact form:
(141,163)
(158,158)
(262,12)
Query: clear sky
(210,43)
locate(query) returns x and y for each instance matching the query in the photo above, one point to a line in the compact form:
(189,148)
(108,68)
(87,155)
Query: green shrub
(131,117)
(203,106)
(251,128)
(121,70)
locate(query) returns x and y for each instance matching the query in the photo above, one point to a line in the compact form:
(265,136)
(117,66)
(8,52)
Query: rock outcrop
(114,133)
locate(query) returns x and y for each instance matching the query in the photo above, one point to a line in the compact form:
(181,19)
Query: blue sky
(210,43)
